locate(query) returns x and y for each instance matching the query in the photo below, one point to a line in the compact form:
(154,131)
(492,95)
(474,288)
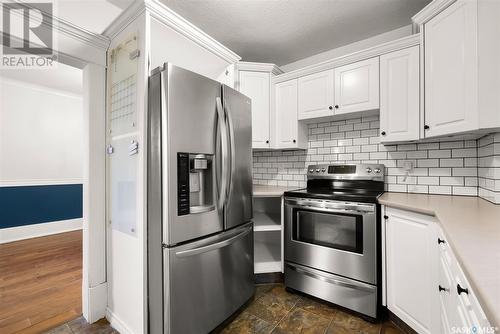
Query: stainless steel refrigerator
(199,202)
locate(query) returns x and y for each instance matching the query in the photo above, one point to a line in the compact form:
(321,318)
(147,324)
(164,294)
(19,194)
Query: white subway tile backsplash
(454,167)
(488,167)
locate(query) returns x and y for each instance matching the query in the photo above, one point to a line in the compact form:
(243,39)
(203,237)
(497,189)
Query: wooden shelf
(266,221)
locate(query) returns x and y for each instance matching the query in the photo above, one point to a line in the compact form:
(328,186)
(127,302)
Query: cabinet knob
(330,107)
(267,141)
(442,289)
(441,241)
(336,106)
(386,217)
(426,127)
(383,133)
(294,141)
(460,290)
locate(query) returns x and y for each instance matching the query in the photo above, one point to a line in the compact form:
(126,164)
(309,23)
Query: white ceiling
(92,15)
(280,32)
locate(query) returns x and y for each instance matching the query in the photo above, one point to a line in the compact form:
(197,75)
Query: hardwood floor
(40,283)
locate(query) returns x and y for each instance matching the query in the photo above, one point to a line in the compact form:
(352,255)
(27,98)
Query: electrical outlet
(407,165)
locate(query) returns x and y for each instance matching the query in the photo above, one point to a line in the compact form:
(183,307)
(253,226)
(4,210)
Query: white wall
(349,48)
(40,135)
(40,144)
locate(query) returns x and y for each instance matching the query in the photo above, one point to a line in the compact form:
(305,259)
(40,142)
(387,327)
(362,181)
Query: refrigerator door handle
(231,169)
(222,187)
(219,244)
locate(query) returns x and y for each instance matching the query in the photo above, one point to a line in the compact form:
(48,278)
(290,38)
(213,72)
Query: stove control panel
(347,172)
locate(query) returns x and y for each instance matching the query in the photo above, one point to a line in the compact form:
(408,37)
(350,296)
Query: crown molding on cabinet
(259,67)
(428,12)
(375,51)
(66,28)
(173,20)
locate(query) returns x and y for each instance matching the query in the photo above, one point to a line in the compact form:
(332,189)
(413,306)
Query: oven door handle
(331,278)
(330,206)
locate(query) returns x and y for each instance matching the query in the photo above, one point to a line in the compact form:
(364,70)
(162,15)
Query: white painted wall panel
(40,135)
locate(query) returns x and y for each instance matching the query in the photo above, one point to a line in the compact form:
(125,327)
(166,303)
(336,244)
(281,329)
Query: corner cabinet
(425,285)
(399,95)
(357,86)
(412,267)
(461,71)
(256,85)
(451,70)
(288,132)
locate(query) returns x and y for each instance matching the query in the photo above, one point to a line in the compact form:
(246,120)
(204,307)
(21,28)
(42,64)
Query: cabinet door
(356,86)
(286,122)
(412,267)
(399,95)
(255,85)
(288,131)
(315,93)
(451,70)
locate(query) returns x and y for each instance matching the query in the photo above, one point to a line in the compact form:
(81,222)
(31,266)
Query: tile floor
(272,310)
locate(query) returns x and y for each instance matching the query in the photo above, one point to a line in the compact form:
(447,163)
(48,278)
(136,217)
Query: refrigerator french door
(200,237)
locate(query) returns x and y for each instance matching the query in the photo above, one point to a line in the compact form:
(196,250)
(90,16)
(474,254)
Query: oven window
(339,231)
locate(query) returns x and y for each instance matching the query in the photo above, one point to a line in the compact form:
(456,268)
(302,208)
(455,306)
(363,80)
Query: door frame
(87,51)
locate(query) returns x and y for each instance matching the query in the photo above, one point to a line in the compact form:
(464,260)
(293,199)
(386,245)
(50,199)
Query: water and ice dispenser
(195,183)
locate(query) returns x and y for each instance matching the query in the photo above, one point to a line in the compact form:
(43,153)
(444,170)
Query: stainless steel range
(332,236)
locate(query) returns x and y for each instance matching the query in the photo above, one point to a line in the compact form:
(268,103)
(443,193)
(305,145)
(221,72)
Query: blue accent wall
(27,205)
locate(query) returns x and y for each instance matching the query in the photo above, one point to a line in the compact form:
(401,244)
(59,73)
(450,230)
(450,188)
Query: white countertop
(260,190)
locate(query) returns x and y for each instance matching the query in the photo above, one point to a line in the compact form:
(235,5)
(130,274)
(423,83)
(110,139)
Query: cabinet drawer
(462,310)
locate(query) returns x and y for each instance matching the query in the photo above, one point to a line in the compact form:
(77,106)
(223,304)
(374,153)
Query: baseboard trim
(11,234)
(117,323)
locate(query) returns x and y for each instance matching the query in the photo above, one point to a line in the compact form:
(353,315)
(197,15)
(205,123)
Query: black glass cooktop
(353,191)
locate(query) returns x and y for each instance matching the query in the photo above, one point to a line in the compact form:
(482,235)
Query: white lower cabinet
(460,309)
(411,261)
(425,286)
(268,235)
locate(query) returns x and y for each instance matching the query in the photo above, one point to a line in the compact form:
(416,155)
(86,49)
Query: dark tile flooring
(272,310)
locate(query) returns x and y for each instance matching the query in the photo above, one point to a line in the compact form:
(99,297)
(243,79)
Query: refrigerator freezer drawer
(208,280)
(351,294)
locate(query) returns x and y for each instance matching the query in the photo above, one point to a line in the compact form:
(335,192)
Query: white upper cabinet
(412,269)
(399,95)
(288,132)
(256,85)
(451,70)
(357,86)
(315,95)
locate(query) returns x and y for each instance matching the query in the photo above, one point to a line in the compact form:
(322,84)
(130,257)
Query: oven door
(333,236)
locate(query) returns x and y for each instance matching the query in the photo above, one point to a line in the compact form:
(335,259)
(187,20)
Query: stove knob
(323,170)
(368,170)
(377,170)
(311,170)
(317,170)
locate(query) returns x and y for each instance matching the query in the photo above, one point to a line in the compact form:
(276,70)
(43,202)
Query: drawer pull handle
(442,289)
(441,241)
(460,290)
